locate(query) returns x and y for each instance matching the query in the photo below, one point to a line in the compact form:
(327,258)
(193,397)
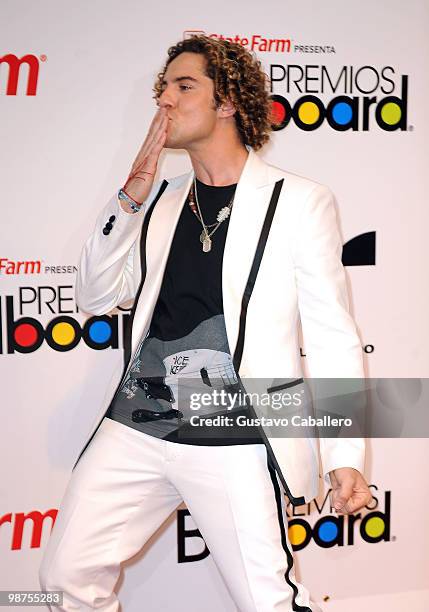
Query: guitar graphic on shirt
(195,370)
(191,371)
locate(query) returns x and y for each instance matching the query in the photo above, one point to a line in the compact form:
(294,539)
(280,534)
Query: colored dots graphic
(328,531)
(297,534)
(342,113)
(375,527)
(308,113)
(391,113)
(63,333)
(278,112)
(25,334)
(100,332)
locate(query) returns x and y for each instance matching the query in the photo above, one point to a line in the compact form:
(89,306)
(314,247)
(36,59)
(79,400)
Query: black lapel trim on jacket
(289,556)
(287,385)
(238,353)
(129,328)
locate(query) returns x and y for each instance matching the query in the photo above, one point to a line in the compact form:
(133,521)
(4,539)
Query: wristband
(135,206)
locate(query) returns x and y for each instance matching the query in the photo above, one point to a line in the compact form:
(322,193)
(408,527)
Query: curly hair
(237,75)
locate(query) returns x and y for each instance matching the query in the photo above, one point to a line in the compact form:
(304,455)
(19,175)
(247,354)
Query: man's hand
(350,491)
(140,180)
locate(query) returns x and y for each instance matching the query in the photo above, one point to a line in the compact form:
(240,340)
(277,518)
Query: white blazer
(298,277)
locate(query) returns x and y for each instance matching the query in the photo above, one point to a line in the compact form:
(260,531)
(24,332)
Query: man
(218,263)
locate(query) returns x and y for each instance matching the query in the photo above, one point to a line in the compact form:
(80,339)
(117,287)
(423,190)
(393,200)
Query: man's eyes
(182,87)
(185,87)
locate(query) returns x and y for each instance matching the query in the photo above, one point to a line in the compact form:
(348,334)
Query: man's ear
(226,108)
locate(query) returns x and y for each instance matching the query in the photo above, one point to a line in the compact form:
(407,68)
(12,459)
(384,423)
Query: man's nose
(165,100)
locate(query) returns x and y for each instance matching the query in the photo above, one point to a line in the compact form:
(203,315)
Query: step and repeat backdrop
(349,92)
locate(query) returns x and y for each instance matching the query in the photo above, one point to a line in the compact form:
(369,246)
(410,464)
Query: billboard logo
(327,532)
(26,334)
(332,530)
(342,112)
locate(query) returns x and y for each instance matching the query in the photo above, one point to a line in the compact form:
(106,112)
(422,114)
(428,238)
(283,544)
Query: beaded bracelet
(135,206)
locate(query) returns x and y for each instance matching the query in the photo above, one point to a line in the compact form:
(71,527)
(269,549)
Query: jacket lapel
(251,201)
(155,250)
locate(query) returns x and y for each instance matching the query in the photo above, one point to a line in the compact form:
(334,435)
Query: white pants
(127,483)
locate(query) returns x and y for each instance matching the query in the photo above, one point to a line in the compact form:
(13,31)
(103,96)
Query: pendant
(206,240)
(207,244)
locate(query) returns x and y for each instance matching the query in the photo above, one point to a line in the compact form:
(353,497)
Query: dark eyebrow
(181,78)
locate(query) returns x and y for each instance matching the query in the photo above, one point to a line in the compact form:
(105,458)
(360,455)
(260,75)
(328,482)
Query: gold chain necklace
(205,237)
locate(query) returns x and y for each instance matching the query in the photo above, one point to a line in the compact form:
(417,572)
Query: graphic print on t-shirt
(168,362)
(187,344)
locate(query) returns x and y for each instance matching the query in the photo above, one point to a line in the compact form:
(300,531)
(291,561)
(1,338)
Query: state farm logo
(254,42)
(10,267)
(17,521)
(264,44)
(15,75)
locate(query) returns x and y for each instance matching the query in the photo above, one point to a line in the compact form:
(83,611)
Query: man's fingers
(148,158)
(358,500)
(343,493)
(157,122)
(157,135)
(155,125)
(157,119)
(350,491)
(158,143)
(154,148)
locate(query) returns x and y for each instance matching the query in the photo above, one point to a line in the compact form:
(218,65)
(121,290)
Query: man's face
(188,97)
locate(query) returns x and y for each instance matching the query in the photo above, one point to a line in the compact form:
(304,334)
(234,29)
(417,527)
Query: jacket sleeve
(333,348)
(105,277)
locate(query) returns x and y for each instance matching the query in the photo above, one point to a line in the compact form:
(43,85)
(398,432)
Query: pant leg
(236,501)
(117,497)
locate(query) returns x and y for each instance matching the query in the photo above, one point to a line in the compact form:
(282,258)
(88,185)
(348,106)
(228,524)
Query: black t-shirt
(186,352)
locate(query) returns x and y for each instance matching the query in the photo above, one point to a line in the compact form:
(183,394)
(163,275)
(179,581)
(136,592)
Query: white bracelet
(134,206)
